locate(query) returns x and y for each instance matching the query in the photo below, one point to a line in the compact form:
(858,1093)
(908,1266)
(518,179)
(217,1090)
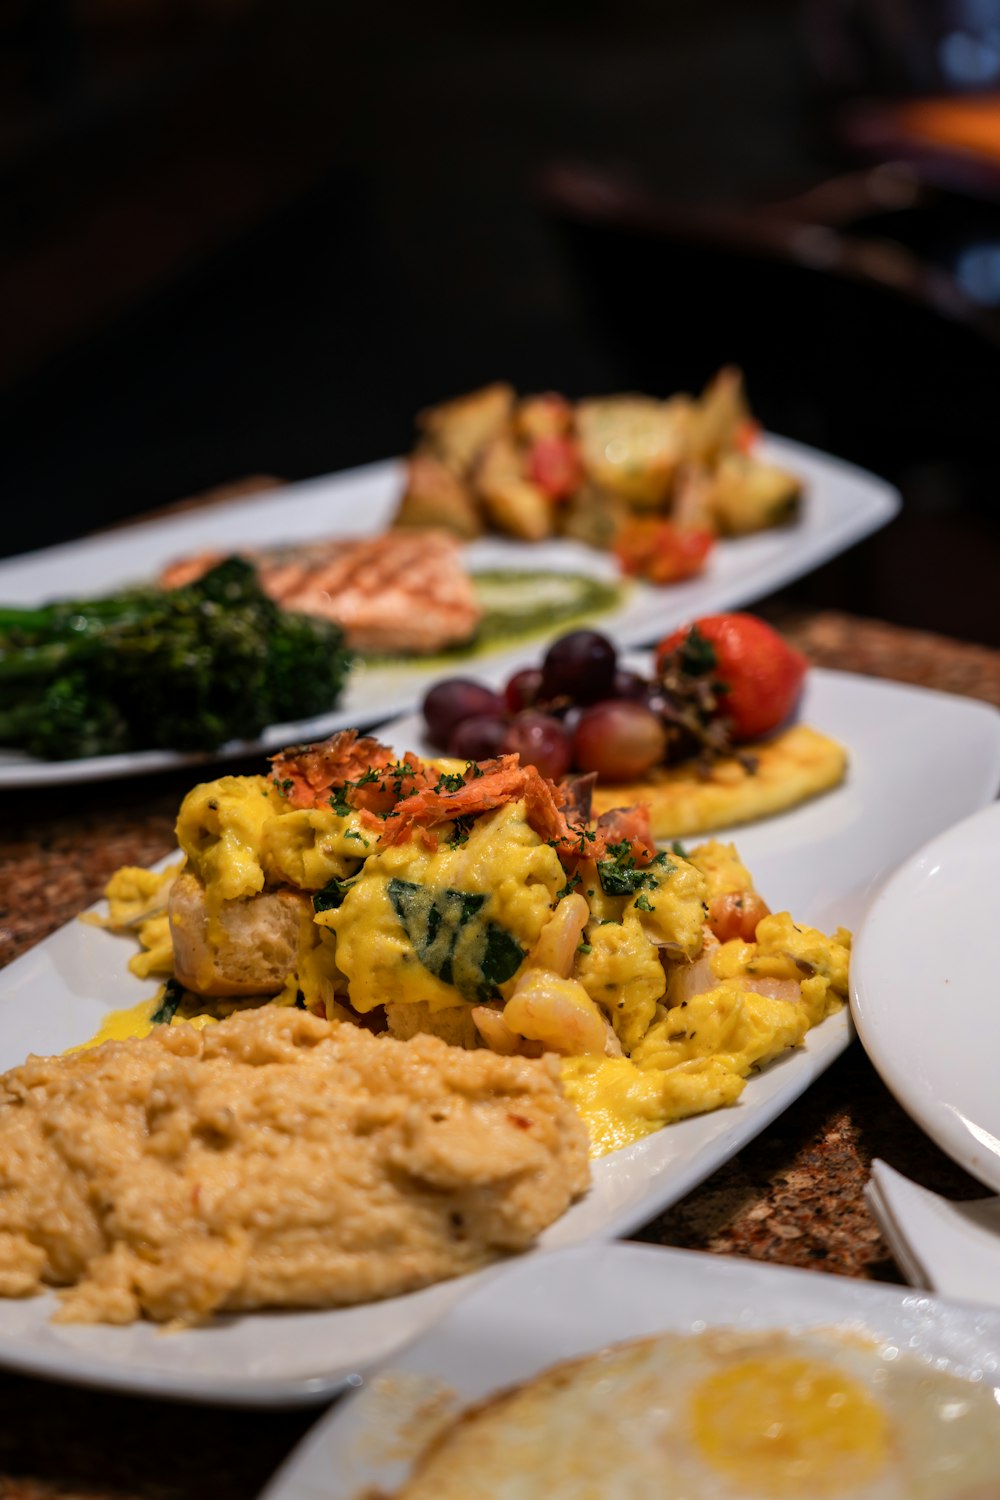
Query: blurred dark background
(241,237)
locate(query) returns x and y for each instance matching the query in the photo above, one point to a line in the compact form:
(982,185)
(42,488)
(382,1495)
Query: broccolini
(184,669)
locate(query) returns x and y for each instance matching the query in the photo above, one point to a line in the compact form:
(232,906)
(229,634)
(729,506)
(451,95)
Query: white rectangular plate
(842,505)
(579,1301)
(919,761)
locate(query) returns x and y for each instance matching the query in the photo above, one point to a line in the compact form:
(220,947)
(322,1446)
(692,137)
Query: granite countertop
(793,1196)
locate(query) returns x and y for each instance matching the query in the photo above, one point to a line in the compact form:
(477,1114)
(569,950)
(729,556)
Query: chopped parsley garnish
(618,873)
(450,781)
(587,836)
(568,888)
(398,772)
(460,831)
(473,769)
(643,903)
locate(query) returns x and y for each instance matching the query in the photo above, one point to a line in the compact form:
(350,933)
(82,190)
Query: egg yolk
(786,1426)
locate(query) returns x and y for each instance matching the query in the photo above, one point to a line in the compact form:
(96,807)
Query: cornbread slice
(795,765)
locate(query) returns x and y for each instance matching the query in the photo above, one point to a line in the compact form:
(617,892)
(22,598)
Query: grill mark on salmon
(399,592)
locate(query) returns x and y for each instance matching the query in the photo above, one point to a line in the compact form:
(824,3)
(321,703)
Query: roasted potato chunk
(545,416)
(593,516)
(746,495)
(435,496)
(543,465)
(719,418)
(692,503)
(458,431)
(631,446)
(511,502)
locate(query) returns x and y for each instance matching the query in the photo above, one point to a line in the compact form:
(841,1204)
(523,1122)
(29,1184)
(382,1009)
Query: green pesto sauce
(520,604)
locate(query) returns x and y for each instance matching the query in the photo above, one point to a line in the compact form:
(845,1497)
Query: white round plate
(924,989)
(578,1301)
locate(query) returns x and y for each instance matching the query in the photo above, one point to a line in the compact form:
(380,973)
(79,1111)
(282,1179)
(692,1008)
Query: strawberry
(756,676)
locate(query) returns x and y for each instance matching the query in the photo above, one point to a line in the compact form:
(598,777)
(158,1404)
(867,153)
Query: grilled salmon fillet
(402,591)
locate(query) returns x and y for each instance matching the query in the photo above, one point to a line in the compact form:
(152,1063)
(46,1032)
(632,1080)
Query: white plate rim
(878,1028)
(367,699)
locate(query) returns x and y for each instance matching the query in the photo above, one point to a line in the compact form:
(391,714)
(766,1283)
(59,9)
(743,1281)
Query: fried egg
(726,1415)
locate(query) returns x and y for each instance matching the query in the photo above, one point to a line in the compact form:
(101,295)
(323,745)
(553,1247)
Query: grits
(273,1160)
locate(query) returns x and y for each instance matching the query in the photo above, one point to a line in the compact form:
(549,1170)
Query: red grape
(541,741)
(523,689)
(580,665)
(455,699)
(619,740)
(478,738)
(570,718)
(627,684)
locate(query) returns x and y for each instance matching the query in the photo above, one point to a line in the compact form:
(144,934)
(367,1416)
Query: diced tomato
(554,465)
(661,551)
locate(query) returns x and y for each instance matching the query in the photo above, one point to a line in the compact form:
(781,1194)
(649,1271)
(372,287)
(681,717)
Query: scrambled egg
(478,935)
(137,903)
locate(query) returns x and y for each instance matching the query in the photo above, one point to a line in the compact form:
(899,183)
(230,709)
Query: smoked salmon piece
(408,797)
(306,773)
(371,777)
(498,782)
(402,591)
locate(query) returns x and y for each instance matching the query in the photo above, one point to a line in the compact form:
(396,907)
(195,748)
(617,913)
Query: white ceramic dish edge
(582,1300)
(930,1020)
